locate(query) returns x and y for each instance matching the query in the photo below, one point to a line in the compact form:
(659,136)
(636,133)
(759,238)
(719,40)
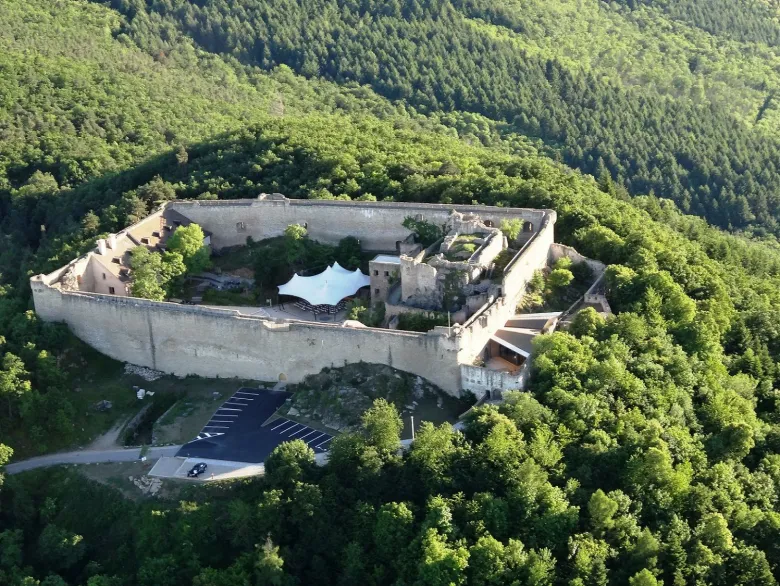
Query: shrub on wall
(373,317)
(427,232)
(421,321)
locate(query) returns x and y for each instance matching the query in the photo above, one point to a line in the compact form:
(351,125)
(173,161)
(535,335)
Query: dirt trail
(109,439)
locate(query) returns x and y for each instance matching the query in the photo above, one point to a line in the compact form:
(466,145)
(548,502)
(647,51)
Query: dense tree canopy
(436,55)
(647,448)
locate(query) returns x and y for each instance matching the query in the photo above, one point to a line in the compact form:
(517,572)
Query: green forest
(646,450)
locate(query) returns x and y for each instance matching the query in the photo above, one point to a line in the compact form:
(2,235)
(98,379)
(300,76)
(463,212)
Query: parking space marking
(232,419)
(288,428)
(314,439)
(317,439)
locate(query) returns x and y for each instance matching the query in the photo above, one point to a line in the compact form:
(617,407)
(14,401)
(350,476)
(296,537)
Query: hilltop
(647,448)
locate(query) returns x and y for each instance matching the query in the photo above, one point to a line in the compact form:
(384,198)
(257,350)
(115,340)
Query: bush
(560,278)
(421,322)
(511,229)
(427,232)
(358,310)
(229,297)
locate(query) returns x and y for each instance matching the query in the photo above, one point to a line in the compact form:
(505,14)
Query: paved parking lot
(229,412)
(290,430)
(235,432)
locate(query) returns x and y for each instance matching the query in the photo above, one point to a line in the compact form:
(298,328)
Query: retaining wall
(560,250)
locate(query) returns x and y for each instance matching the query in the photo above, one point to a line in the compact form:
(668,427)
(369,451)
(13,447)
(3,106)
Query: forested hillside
(701,150)
(647,450)
(744,20)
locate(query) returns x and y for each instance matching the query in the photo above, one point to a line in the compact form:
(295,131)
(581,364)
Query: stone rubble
(147,485)
(419,388)
(336,398)
(147,374)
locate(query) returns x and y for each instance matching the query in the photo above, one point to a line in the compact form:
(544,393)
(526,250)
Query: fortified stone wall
(418,280)
(184,339)
(376,224)
(489,251)
(533,256)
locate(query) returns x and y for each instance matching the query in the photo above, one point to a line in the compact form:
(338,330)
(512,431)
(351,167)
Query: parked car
(197,470)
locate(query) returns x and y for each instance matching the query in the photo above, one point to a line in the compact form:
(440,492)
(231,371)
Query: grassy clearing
(92,377)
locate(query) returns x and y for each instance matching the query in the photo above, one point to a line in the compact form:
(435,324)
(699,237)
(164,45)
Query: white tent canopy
(328,288)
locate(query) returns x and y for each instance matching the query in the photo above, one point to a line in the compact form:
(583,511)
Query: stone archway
(528,227)
(282,377)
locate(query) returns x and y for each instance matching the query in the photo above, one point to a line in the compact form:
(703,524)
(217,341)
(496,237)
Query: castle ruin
(457,273)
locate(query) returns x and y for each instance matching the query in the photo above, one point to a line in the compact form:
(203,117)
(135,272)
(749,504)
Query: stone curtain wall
(376,224)
(183,340)
(533,256)
(560,250)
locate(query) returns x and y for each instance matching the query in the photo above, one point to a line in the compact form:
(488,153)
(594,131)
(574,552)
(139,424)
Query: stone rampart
(376,224)
(560,250)
(186,339)
(532,256)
